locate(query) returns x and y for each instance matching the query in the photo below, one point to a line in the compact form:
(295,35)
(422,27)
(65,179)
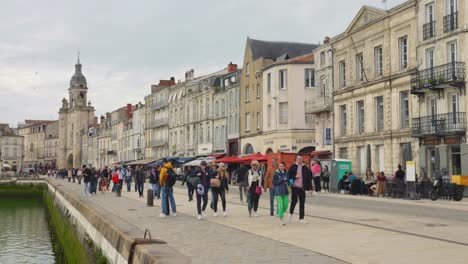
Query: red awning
(256,156)
(218,155)
(229,159)
(319,153)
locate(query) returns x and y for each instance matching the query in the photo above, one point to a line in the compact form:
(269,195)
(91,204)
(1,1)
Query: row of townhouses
(389,89)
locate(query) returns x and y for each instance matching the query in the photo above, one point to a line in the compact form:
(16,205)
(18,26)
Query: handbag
(216,183)
(258,190)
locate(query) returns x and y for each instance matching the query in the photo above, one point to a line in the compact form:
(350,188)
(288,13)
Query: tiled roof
(275,49)
(306,58)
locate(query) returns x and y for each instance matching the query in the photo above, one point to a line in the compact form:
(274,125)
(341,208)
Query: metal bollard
(149,197)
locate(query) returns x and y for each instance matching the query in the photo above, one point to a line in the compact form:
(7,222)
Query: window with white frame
(309,118)
(201,134)
(283,113)
(216,109)
(247,69)
(378,61)
(430,58)
(343,121)
(452,51)
(258,90)
(283,79)
(360,117)
(309,75)
(223,108)
(208,133)
(269,115)
(404,109)
(379,113)
(247,122)
(187,135)
(322,58)
(258,120)
(343,153)
(342,72)
(269,83)
(403,52)
(247,94)
(360,67)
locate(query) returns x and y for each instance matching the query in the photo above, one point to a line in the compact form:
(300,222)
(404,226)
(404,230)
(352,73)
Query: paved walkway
(346,234)
(203,241)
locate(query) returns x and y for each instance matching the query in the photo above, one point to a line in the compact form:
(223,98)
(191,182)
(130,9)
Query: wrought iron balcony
(440,125)
(429,30)
(159,122)
(450,22)
(159,105)
(319,104)
(439,77)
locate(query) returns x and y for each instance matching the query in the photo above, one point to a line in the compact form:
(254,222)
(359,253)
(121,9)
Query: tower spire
(78,57)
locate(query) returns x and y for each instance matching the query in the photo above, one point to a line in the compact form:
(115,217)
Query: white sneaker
(199,217)
(282,222)
(256,215)
(162,215)
(203,214)
(289,217)
(342,191)
(174,214)
(215,214)
(302,221)
(225,214)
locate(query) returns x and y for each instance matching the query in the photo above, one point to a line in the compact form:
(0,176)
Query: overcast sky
(126,46)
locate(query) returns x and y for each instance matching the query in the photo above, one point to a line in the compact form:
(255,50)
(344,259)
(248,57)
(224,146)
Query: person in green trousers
(280,182)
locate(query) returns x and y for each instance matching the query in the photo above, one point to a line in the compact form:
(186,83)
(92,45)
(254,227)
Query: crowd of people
(209,183)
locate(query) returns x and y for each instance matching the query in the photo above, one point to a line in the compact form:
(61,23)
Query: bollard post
(149,197)
(118,190)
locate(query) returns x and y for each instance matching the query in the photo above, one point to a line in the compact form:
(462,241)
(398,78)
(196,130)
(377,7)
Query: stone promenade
(333,234)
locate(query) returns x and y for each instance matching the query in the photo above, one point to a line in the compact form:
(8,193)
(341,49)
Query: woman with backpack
(219,185)
(255,181)
(280,188)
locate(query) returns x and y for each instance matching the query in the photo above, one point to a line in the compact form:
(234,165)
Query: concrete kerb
(116,232)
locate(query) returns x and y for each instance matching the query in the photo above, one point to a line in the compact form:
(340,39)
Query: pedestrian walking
(326,178)
(74,172)
(255,178)
(202,189)
(128,178)
(400,181)
(242,181)
(166,190)
(302,182)
(93,180)
(219,185)
(86,172)
(190,187)
(213,170)
(115,180)
(268,184)
(280,181)
(140,178)
(316,173)
(154,182)
(79,175)
(69,174)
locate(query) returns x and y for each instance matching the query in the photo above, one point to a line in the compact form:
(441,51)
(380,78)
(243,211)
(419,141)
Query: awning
(229,159)
(198,161)
(142,162)
(319,153)
(218,155)
(185,159)
(257,156)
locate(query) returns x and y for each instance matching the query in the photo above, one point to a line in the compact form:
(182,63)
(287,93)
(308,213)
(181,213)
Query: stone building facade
(34,133)
(75,117)
(257,55)
(440,122)
(11,148)
(176,120)
(138,136)
(373,106)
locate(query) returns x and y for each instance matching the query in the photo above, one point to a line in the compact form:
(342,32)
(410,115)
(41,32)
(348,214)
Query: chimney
(129,111)
(102,119)
(189,75)
(108,116)
(326,40)
(232,67)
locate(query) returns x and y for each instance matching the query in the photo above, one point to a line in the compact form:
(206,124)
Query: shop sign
(305,141)
(327,136)
(269,142)
(452,140)
(431,141)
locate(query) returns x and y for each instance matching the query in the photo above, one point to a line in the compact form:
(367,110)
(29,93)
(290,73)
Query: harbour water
(24,233)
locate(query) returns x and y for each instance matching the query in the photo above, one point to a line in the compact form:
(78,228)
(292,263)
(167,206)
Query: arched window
(248,149)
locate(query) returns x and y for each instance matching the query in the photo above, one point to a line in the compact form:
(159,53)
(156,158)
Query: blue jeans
(140,186)
(129,184)
(272,201)
(93,184)
(156,190)
(168,193)
(87,190)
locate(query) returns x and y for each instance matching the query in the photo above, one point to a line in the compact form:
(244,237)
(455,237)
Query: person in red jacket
(115,180)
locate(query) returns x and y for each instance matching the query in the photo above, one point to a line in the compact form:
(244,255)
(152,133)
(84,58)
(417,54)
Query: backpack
(171,178)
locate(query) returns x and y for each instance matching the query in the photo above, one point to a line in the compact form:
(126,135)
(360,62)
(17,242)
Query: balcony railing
(158,105)
(158,142)
(318,104)
(450,22)
(452,73)
(440,125)
(429,30)
(159,122)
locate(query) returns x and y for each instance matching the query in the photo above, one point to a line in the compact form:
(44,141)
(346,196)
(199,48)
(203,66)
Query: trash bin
(149,197)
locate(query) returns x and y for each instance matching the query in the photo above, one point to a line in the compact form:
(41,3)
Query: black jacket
(306,176)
